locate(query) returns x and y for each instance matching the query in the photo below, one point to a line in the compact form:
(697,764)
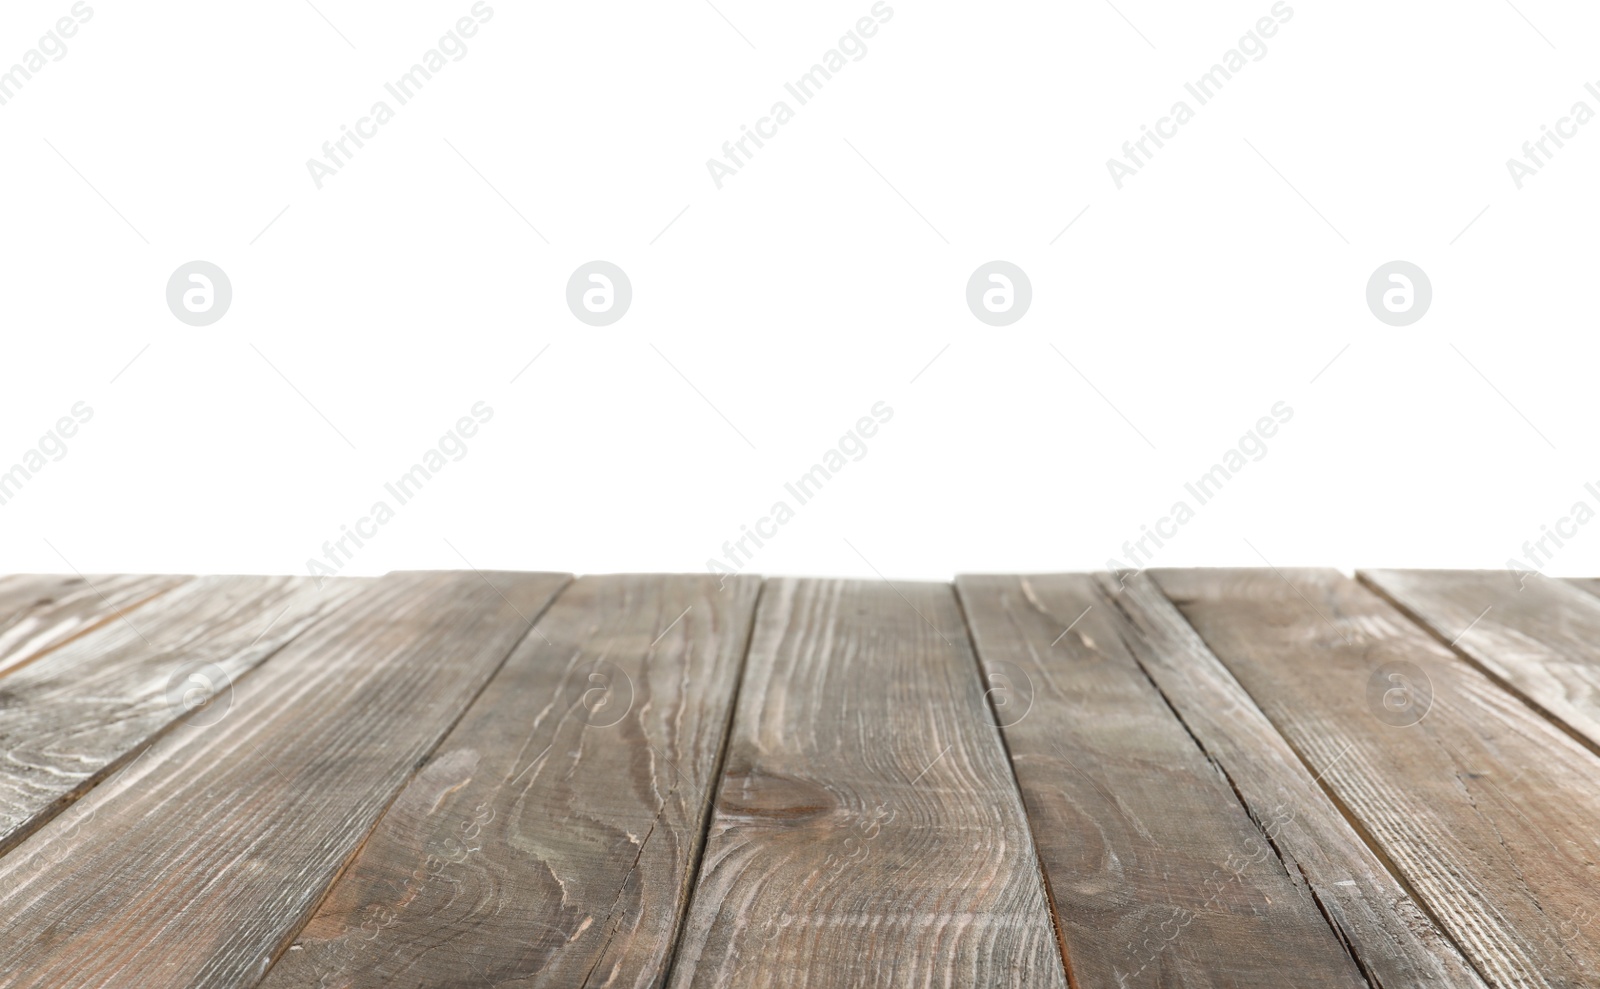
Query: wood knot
(756,795)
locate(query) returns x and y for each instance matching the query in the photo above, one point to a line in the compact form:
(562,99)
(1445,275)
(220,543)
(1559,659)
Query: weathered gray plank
(1589,585)
(1158,875)
(1390,936)
(194,866)
(552,838)
(1539,637)
(1485,809)
(868,830)
(38,614)
(70,715)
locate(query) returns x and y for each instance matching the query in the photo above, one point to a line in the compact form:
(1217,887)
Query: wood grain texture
(1539,637)
(551,840)
(1389,935)
(193,866)
(1160,879)
(868,829)
(1488,811)
(69,716)
(38,614)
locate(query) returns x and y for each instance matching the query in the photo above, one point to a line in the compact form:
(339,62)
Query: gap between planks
(1506,680)
(716,787)
(1005,746)
(311,913)
(732,714)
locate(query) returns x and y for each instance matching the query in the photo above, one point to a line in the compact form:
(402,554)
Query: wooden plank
(551,840)
(71,715)
(1485,809)
(868,830)
(1589,585)
(1390,936)
(38,614)
(1539,637)
(1160,879)
(195,866)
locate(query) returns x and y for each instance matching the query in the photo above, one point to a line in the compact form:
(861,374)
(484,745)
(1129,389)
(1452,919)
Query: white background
(804,291)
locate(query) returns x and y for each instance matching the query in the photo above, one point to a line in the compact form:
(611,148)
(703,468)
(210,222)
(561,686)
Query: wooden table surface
(1219,779)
